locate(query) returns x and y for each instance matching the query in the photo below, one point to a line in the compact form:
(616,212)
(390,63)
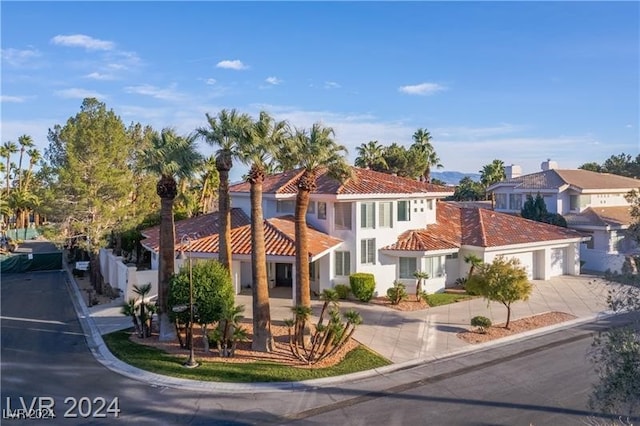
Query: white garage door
(526,261)
(557,261)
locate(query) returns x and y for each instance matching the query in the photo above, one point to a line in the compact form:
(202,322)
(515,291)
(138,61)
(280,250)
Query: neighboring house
(378,223)
(593,203)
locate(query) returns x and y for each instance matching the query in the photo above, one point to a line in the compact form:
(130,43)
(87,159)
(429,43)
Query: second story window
(404,211)
(368,251)
(368,215)
(342,216)
(515,201)
(285,206)
(384,214)
(501,201)
(322,210)
(311,208)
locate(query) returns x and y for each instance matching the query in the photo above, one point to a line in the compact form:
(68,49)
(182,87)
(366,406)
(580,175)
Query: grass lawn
(439,299)
(158,361)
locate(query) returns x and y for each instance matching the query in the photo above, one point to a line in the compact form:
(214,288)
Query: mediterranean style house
(593,203)
(377,223)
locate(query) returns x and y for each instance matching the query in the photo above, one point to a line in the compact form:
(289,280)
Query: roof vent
(549,164)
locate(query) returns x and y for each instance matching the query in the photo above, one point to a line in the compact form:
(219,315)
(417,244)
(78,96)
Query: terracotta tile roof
(364,181)
(279,236)
(580,179)
(601,216)
(457,226)
(202,225)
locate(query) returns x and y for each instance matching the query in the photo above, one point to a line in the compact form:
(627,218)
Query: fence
(29,262)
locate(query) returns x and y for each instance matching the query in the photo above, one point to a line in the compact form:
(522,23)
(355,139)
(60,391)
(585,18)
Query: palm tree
(25,142)
(264,138)
(170,157)
(224,131)
(371,156)
(8,148)
(208,182)
(312,151)
(492,173)
(422,143)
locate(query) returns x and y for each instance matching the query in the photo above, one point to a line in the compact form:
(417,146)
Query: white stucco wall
(599,260)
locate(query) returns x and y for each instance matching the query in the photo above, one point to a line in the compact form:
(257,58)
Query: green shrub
(482,323)
(362,286)
(343,290)
(397,293)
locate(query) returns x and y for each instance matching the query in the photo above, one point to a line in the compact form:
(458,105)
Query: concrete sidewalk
(405,338)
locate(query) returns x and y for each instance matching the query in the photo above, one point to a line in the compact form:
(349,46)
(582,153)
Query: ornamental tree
(503,281)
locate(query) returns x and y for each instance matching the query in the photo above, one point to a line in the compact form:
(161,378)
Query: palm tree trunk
(224,212)
(165,268)
(303,291)
(262,339)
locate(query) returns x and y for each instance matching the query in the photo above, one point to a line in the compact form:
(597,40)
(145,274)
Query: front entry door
(283,274)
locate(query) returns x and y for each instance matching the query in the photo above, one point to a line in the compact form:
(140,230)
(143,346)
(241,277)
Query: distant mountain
(453,178)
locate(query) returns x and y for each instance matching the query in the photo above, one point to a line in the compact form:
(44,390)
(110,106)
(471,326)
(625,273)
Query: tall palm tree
(208,183)
(256,149)
(371,156)
(224,131)
(170,157)
(25,142)
(34,158)
(422,143)
(312,151)
(8,148)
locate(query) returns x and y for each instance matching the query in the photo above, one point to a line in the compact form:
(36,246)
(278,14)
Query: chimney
(548,165)
(513,171)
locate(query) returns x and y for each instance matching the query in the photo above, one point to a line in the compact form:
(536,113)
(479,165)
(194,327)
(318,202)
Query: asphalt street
(543,380)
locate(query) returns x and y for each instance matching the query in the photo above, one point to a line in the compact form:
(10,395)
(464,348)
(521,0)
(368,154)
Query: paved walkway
(405,338)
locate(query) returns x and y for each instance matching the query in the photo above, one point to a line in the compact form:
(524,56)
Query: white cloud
(81,40)
(331,85)
(17,57)
(13,99)
(168,94)
(77,93)
(210,81)
(235,64)
(422,89)
(99,76)
(629,126)
(273,80)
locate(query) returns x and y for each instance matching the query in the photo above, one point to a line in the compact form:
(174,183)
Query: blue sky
(520,82)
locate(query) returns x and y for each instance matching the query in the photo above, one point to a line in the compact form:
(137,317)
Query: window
(573,202)
(501,201)
(430,204)
(322,210)
(312,271)
(384,215)
(285,206)
(368,215)
(434,266)
(343,263)
(515,201)
(407,267)
(452,256)
(368,251)
(311,209)
(342,215)
(404,211)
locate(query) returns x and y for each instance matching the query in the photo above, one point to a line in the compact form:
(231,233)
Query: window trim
(406,212)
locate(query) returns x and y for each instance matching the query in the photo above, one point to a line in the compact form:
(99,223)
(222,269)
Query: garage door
(557,261)
(526,261)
